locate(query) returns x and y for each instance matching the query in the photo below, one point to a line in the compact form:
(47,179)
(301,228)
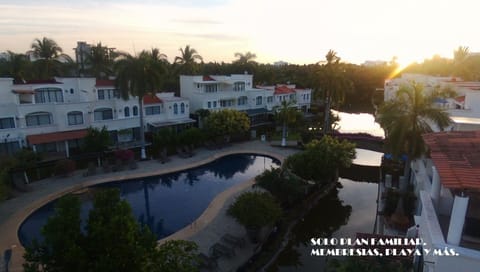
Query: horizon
(273,30)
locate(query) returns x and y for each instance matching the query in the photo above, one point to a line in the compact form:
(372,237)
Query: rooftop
(456,155)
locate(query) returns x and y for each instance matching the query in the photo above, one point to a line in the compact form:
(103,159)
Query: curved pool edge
(9,229)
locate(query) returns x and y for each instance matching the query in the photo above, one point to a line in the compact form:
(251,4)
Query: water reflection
(342,213)
(359,123)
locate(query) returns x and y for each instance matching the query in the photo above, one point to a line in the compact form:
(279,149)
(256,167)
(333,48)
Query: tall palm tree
(100,61)
(287,114)
(49,55)
(16,66)
(245,58)
(408,116)
(138,76)
(333,84)
(188,59)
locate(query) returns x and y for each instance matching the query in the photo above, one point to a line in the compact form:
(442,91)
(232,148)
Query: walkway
(206,230)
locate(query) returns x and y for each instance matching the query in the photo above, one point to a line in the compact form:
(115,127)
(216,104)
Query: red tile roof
(39,81)
(104,83)
(151,99)
(460,99)
(56,136)
(208,78)
(283,90)
(456,155)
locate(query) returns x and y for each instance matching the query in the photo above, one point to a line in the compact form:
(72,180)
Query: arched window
(75,118)
(126,112)
(38,119)
(175,108)
(135,110)
(103,114)
(182,108)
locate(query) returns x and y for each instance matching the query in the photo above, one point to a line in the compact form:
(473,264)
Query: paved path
(206,230)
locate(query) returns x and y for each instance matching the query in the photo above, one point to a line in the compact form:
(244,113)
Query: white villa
(447,186)
(237,92)
(464,109)
(52,116)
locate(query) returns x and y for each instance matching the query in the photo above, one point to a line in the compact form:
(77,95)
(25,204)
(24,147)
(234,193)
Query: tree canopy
(227,122)
(255,209)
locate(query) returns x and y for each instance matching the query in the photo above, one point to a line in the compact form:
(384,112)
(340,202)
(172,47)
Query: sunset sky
(300,31)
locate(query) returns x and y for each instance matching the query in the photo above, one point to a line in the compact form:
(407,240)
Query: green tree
(96,140)
(188,59)
(287,115)
(176,255)
(49,56)
(255,210)
(16,66)
(284,187)
(321,159)
(61,249)
(334,84)
(138,76)
(408,116)
(100,61)
(227,122)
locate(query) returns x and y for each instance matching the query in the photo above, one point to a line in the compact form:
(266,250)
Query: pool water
(168,202)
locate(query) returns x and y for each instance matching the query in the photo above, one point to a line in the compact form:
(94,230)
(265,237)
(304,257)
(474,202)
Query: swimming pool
(169,202)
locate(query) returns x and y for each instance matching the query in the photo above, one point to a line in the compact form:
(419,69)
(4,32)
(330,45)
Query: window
(126,112)
(270,99)
(175,108)
(259,100)
(182,108)
(242,100)
(38,119)
(292,97)
(48,95)
(214,104)
(107,94)
(135,110)
(46,147)
(103,114)
(8,148)
(211,88)
(71,91)
(239,86)
(75,118)
(209,104)
(7,123)
(152,110)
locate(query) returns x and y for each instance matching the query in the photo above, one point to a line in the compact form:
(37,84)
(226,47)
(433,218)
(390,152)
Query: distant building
(52,116)
(236,91)
(374,62)
(82,53)
(464,109)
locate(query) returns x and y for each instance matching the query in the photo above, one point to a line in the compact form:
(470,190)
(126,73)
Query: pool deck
(205,230)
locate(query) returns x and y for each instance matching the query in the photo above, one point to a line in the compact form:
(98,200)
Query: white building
(447,186)
(52,116)
(237,92)
(464,109)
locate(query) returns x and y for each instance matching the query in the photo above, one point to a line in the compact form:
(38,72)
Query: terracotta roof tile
(283,90)
(56,136)
(151,99)
(456,155)
(104,83)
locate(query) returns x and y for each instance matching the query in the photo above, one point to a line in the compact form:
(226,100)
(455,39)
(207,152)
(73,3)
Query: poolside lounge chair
(206,262)
(162,156)
(219,250)
(233,240)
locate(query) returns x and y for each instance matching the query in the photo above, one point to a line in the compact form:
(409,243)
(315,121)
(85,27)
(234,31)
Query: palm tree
(460,57)
(49,55)
(188,59)
(245,58)
(100,60)
(333,83)
(138,76)
(286,113)
(16,66)
(404,119)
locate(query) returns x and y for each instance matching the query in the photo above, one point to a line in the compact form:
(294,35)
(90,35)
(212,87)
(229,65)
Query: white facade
(237,92)
(464,109)
(69,105)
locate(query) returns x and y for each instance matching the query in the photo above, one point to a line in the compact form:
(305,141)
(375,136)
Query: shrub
(64,167)
(255,209)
